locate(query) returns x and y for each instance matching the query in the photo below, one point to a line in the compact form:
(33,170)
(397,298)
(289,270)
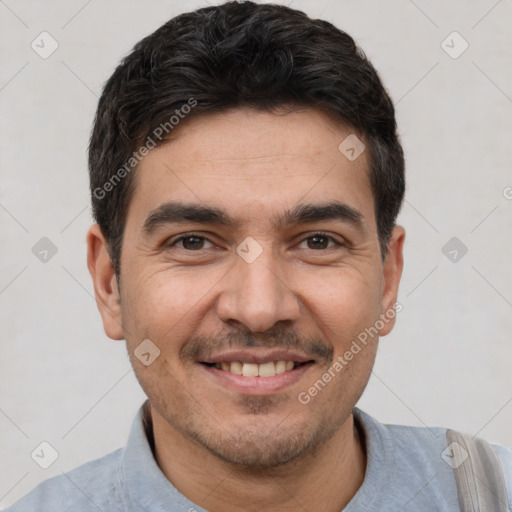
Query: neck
(324,481)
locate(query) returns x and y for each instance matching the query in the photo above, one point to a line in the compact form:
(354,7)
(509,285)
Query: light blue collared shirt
(405,471)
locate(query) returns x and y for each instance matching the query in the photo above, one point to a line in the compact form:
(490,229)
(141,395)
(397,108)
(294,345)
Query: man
(246,177)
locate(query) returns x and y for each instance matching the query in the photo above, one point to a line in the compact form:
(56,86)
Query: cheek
(346,302)
(166,305)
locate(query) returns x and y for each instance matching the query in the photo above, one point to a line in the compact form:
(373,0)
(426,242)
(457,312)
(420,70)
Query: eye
(321,241)
(191,242)
(196,242)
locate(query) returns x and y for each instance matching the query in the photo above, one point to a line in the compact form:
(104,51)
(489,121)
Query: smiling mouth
(269,369)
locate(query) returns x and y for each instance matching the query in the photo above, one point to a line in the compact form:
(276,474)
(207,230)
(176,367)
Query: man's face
(265,294)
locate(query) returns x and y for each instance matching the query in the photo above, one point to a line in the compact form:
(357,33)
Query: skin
(224,449)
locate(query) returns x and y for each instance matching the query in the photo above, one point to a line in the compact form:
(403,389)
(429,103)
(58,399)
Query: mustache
(201,348)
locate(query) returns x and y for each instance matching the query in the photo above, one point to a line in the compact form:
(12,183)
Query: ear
(392,272)
(105,283)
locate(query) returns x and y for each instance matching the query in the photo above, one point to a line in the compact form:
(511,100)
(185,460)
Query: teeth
(236,367)
(280,367)
(250,370)
(267,369)
(256,370)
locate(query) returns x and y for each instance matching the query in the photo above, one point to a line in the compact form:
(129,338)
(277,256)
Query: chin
(261,444)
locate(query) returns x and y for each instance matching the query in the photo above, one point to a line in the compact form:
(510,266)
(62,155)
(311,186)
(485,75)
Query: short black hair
(238,54)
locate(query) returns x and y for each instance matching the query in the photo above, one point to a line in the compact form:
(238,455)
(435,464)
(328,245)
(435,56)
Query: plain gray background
(448,361)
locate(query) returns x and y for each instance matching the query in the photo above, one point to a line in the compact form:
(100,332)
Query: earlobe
(392,273)
(105,283)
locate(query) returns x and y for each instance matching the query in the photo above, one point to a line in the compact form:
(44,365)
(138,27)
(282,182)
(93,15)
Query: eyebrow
(174,212)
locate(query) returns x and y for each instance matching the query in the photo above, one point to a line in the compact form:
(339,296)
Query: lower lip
(257,385)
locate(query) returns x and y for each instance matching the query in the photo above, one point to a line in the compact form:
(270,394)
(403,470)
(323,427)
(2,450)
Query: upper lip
(257,356)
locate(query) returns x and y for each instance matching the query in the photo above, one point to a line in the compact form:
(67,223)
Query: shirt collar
(143,482)
(379,455)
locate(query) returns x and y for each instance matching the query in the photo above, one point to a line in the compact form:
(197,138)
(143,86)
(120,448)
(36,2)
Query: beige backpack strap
(478,473)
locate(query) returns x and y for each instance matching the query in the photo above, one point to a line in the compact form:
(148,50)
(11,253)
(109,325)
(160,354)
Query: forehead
(255,163)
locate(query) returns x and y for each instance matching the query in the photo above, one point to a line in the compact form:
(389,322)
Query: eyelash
(197,235)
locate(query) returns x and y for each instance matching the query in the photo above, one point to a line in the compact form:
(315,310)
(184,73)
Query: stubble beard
(254,447)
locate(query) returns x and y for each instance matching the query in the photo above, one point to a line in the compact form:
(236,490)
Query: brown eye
(319,241)
(191,242)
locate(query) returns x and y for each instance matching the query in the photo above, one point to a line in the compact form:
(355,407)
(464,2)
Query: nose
(257,295)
